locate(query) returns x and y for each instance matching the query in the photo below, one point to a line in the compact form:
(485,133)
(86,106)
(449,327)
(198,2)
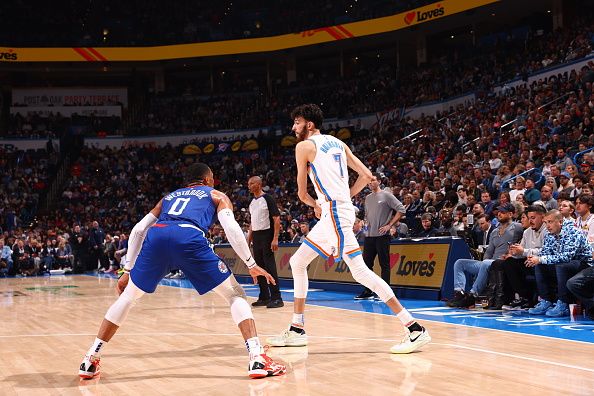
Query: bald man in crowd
(263,233)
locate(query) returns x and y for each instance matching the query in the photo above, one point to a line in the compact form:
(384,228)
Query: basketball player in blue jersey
(175,237)
(326,159)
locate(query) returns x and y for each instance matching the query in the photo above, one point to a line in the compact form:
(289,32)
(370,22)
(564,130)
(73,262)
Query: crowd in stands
(373,87)
(428,174)
(24,178)
(368,88)
(55,125)
(488,160)
(154,22)
(479,166)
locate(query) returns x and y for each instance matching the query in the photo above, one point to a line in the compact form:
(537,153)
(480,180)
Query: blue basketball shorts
(174,245)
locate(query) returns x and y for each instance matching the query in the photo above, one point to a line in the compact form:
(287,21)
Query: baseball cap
(506,208)
(565,174)
(294,221)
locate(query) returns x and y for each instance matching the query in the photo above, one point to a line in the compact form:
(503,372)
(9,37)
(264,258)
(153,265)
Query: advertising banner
(69,96)
(411,265)
(27,144)
(68,111)
(173,140)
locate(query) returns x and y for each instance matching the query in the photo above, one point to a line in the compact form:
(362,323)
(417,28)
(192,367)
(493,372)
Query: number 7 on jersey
(338,158)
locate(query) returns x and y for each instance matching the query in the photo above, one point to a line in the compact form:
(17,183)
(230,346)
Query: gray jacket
(499,245)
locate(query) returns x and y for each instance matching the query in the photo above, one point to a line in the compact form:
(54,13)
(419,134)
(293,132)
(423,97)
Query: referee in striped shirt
(263,233)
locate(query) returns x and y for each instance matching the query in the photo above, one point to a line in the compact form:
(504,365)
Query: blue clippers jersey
(190,204)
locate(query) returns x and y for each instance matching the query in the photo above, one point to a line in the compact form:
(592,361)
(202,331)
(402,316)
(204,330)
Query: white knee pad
(368,278)
(241,310)
(119,310)
(299,262)
(235,296)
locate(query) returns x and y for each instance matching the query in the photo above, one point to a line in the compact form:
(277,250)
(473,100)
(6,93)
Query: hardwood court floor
(176,342)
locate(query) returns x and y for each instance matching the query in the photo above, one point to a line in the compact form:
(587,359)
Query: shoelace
(286,334)
(93,359)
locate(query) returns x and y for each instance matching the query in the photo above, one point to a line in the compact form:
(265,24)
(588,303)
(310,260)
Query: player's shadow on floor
(56,380)
(348,353)
(208,350)
(192,307)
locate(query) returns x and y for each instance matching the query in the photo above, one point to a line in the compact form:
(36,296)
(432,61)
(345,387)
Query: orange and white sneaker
(90,367)
(263,366)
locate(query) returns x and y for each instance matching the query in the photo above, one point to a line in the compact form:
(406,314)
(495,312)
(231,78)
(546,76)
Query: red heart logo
(284,261)
(431,256)
(410,17)
(329,263)
(394,259)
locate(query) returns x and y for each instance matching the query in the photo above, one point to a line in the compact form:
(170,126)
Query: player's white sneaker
(89,367)
(288,338)
(412,341)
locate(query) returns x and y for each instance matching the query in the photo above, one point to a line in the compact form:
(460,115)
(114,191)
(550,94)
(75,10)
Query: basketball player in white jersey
(326,159)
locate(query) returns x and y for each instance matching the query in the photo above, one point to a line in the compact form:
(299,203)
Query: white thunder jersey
(328,171)
(333,234)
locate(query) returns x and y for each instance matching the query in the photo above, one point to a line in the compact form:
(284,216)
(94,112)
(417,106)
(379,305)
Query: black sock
(297,330)
(415,327)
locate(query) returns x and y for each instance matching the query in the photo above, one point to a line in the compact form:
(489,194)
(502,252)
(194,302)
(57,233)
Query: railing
(577,155)
(507,124)
(56,186)
(501,128)
(501,188)
(136,107)
(410,135)
(554,100)
(472,141)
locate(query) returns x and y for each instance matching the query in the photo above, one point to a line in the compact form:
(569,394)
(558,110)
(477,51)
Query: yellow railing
(216,48)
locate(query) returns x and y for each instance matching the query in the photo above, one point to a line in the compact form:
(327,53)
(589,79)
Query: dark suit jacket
(478,236)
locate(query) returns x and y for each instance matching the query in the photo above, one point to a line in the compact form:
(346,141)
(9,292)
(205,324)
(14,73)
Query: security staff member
(263,233)
(379,208)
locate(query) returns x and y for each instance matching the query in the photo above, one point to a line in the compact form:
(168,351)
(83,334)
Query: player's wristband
(123,271)
(250,262)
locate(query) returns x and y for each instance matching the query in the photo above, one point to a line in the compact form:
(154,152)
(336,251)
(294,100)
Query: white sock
(254,347)
(298,320)
(405,317)
(95,349)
